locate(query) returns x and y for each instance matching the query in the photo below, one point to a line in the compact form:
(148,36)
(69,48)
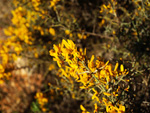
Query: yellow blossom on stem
(83,109)
(52,31)
(41,100)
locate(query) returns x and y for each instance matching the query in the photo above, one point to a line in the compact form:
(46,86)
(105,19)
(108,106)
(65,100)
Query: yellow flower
(104,6)
(114,93)
(51,67)
(36,55)
(107,94)
(91,64)
(95,95)
(121,109)
(69,44)
(134,33)
(70,35)
(79,35)
(102,23)
(52,31)
(18,49)
(82,108)
(8,31)
(67,32)
(121,68)
(116,66)
(1,82)
(53,3)
(59,62)
(41,100)
(95,110)
(114,32)
(110,69)
(1,69)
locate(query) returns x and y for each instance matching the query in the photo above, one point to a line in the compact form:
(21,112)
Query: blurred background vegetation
(113,30)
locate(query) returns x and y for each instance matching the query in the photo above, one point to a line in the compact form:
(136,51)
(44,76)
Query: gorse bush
(93,55)
(95,76)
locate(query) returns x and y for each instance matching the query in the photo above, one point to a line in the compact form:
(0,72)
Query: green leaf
(35,107)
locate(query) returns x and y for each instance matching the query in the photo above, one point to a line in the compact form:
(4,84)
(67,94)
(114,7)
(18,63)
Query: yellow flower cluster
(67,32)
(36,4)
(110,108)
(110,8)
(52,31)
(5,57)
(23,20)
(41,100)
(141,10)
(91,73)
(27,21)
(21,26)
(81,36)
(83,109)
(53,3)
(108,13)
